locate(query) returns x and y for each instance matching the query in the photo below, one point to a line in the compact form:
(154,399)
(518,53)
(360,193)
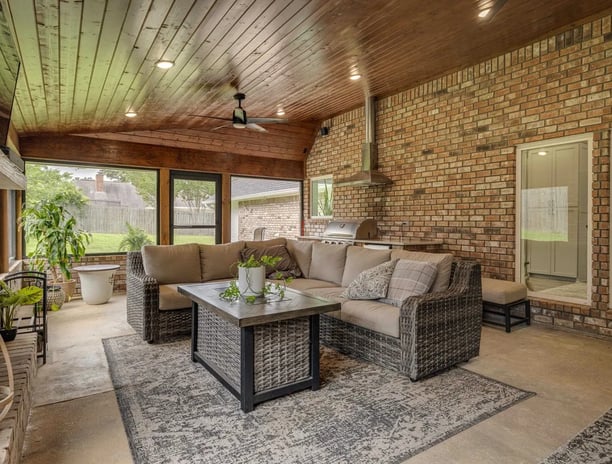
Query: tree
(145,182)
(45,183)
(193,192)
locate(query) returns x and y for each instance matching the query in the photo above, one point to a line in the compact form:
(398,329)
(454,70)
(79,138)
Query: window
(321,197)
(553,235)
(265,208)
(196,207)
(117,206)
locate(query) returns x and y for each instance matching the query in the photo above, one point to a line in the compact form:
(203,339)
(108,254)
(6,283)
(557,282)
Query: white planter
(251,280)
(97,282)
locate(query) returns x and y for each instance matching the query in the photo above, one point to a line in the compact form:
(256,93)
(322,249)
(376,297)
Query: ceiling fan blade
(255,127)
(209,117)
(221,127)
(268,120)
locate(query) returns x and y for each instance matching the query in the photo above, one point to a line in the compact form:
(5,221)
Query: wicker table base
(259,352)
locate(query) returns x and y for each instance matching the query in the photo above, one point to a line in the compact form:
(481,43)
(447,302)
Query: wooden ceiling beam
(85,150)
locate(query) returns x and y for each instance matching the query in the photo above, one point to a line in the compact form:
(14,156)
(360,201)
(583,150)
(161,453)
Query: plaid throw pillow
(410,278)
(371,284)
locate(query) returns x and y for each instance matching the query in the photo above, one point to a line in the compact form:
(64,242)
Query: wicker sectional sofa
(419,336)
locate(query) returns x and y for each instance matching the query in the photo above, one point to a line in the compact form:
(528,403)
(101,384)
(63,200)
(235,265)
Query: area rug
(593,445)
(174,411)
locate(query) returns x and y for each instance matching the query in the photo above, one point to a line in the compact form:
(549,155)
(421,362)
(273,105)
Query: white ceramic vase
(251,280)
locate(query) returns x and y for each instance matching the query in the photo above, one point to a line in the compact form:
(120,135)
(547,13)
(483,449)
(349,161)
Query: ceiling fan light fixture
(280,111)
(355,77)
(239,118)
(164,64)
(131,114)
(484,13)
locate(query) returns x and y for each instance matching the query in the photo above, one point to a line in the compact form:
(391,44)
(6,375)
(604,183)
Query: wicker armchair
(143,312)
(437,330)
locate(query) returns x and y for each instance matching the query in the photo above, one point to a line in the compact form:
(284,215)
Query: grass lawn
(109,243)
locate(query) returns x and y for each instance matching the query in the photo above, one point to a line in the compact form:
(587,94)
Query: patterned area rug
(593,445)
(174,411)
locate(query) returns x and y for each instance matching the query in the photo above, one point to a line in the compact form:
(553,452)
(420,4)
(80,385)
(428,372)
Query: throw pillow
(443,262)
(358,259)
(410,278)
(285,268)
(372,283)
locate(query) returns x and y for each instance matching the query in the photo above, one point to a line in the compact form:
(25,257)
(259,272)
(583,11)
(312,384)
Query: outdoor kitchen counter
(404,244)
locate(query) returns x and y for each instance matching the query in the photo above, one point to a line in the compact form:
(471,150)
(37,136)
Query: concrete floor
(76,419)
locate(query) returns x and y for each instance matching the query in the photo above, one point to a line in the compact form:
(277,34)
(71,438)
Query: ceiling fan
(239,118)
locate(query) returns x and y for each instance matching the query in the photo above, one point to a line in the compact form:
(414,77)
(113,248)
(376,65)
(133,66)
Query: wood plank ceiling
(87,62)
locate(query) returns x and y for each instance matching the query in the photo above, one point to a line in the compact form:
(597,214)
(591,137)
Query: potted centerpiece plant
(58,242)
(251,282)
(10,301)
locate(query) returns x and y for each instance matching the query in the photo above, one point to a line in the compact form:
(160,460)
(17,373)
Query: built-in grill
(348,231)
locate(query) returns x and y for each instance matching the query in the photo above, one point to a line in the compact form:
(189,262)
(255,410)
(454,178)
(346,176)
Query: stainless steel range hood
(369,175)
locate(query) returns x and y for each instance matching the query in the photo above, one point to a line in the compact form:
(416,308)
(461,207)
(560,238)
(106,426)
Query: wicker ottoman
(505,298)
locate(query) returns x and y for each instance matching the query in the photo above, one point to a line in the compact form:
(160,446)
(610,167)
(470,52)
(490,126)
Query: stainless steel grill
(348,231)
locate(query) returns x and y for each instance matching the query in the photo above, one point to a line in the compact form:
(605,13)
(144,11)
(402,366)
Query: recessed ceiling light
(164,64)
(355,77)
(280,112)
(131,114)
(484,13)
(542,153)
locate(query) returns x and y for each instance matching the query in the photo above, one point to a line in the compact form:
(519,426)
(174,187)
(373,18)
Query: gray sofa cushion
(301,250)
(172,264)
(330,293)
(443,262)
(327,262)
(220,261)
(372,315)
(170,298)
(304,285)
(358,259)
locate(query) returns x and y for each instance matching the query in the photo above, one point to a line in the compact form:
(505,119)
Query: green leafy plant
(265,260)
(58,240)
(272,290)
(11,300)
(326,201)
(135,239)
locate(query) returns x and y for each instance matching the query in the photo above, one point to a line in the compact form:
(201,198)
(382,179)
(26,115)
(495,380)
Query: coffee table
(258,351)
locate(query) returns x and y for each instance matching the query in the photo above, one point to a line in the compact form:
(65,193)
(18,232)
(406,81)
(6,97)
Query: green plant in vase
(10,301)
(250,285)
(58,239)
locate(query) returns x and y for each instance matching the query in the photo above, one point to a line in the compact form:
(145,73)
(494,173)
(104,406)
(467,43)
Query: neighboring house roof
(114,193)
(246,188)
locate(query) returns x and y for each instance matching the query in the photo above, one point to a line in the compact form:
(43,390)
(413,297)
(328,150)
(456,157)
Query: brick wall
(450,147)
(279,215)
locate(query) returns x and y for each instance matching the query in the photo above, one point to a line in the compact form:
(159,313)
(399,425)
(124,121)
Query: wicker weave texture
(143,312)
(360,342)
(282,353)
(281,350)
(437,330)
(219,344)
